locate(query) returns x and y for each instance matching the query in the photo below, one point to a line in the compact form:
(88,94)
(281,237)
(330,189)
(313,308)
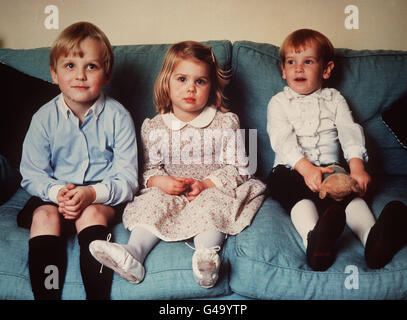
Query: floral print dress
(209,146)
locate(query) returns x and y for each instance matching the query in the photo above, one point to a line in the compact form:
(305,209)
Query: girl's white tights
(209,239)
(142,241)
(359,218)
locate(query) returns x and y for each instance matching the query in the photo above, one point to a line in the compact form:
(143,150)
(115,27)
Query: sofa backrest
(371,81)
(135,70)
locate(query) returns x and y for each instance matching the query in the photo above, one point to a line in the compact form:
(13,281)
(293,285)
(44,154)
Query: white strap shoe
(205,265)
(116,257)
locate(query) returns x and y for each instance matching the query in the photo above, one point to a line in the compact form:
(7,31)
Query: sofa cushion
(168,267)
(371,81)
(134,72)
(272,248)
(21,96)
(9,179)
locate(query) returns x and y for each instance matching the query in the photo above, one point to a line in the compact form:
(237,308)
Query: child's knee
(97,213)
(46,215)
(45,220)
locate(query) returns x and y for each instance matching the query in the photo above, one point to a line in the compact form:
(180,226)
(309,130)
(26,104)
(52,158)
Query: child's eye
(201,81)
(182,79)
(92,66)
(290,62)
(69,65)
(309,61)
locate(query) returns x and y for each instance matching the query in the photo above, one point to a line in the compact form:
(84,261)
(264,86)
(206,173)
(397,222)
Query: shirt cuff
(53,193)
(356,152)
(102,193)
(292,160)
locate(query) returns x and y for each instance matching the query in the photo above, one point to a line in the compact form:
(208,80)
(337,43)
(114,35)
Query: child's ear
(283,75)
(108,78)
(328,69)
(54,75)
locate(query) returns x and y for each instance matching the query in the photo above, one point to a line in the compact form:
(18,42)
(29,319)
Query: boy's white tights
(142,241)
(359,218)
(304,216)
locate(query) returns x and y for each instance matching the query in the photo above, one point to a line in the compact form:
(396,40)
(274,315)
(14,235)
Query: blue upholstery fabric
(267,259)
(168,267)
(272,250)
(370,81)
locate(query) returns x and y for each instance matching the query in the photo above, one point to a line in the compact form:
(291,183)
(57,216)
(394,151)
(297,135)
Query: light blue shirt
(102,151)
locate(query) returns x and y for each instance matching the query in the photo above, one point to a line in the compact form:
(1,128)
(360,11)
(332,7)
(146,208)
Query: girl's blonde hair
(189,50)
(68,42)
(299,39)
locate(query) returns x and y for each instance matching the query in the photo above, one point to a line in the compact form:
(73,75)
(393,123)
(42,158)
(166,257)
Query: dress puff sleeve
(152,157)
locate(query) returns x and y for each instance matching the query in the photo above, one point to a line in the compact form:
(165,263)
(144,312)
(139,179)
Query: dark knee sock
(97,285)
(47,266)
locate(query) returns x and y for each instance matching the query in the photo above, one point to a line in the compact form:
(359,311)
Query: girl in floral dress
(196,176)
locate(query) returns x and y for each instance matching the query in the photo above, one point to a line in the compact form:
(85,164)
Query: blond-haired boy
(79,162)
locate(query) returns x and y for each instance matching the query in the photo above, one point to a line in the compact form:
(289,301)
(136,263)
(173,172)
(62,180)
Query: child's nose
(191,87)
(299,68)
(80,74)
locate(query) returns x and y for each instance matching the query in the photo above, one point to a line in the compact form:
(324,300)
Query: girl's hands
(312,174)
(197,187)
(170,185)
(357,172)
(73,199)
(177,185)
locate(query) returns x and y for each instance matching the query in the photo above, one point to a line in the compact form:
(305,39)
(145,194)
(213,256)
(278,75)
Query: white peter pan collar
(96,108)
(201,121)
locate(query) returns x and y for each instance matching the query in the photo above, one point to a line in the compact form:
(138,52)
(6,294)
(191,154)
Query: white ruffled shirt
(314,126)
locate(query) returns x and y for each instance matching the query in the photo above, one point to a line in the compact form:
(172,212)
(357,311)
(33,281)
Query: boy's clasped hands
(191,188)
(73,199)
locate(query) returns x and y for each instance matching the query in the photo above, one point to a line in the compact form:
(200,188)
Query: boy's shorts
(288,187)
(25,216)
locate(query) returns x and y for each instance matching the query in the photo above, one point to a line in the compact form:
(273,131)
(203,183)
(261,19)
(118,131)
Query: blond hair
(189,50)
(68,42)
(300,39)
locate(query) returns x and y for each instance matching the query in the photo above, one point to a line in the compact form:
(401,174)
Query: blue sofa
(266,260)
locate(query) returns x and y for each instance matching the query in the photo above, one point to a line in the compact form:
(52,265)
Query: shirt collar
(201,121)
(322,93)
(96,108)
